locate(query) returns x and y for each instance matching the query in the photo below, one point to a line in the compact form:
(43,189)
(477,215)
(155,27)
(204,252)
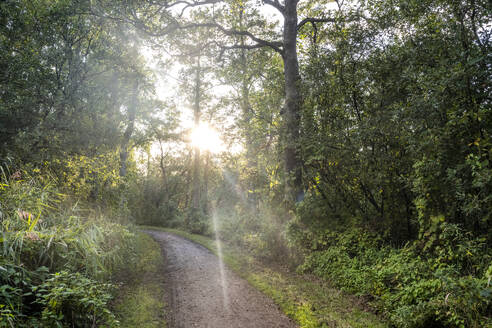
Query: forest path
(202,293)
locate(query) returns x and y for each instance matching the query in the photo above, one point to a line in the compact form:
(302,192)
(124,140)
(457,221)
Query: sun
(206,138)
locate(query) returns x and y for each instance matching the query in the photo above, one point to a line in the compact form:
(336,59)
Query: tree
(64,80)
(164,18)
(192,51)
(388,136)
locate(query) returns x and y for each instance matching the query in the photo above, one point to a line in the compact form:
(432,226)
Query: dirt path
(202,293)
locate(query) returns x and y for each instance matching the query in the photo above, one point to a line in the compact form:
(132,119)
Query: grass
(309,301)
(140,301)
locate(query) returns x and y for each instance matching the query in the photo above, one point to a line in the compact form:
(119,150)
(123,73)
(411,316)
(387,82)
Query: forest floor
(201,292)
(194,290)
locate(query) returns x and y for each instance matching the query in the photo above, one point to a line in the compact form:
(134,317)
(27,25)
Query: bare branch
(275,45)
(243,46)
(190,3)
(195,4)
(275,4)
(239,46)
(313,21)
(175,25)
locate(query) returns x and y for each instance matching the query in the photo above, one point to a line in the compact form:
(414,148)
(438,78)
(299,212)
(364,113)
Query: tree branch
(275,45)
(313,21)
(189,3)
(195,4)
(175,25)
(275,4)
(239,46)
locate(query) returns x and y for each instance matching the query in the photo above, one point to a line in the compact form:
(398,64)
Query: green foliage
(396,147)
(72,299)
(69,79)
(139,301)
(93,178)
(159,197)
(413,286)
(55,256)
(259,232)
(397,132)
(196,221)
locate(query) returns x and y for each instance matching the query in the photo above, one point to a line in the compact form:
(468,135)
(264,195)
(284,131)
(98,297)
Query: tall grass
(55,257)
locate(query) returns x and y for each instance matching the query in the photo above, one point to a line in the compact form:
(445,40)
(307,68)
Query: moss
(140,302)
(309,301)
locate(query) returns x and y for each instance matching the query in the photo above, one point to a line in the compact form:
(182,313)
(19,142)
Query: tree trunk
(165,189)
(251,152)
(195,195)
(292,109)
(132,110)
(206,171)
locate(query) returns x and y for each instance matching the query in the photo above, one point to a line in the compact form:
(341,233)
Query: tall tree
(191,50)
(197,92)
(132,111)
(152,15)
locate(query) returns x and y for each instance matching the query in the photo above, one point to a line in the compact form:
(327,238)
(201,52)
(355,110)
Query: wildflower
(16,175)
(23,214)
(32,236)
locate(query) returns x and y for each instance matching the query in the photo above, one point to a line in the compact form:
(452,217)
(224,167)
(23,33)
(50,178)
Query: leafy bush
(55,256)
(71,299)
(445,285)
(261,233)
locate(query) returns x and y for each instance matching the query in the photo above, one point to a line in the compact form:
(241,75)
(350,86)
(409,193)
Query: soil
(201,292)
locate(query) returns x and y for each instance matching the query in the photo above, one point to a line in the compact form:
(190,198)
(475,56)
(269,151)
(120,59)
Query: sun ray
(206,138)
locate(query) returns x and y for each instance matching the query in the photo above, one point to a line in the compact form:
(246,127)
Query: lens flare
(206,138)
(223,277)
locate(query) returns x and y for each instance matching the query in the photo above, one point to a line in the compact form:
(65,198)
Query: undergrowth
(140,299)
(443,284)
(57,257)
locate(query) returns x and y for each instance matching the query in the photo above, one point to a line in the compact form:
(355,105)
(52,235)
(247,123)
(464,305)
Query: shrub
(55,256)
(446,285)
(72,299)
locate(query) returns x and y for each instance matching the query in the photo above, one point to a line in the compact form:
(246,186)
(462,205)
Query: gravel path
(202,293)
